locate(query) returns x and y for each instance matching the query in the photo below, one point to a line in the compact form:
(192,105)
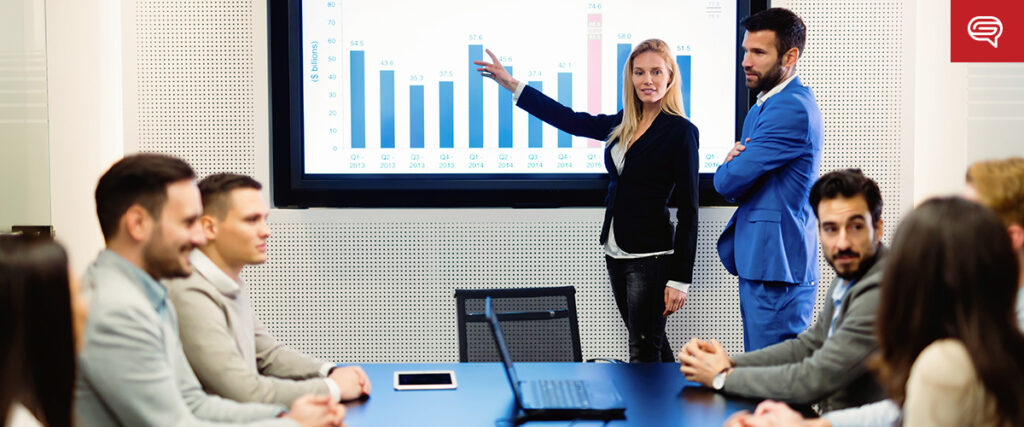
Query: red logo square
(986,31)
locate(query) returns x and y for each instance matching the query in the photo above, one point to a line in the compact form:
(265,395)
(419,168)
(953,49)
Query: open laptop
(556,399)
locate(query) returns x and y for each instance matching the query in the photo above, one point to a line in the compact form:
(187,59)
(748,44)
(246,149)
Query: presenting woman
(651,151)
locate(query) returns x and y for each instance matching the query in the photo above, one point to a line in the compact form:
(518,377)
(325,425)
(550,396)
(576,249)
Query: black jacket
(663,159)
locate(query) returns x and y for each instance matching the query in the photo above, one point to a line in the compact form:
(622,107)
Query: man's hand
(352,381)
(674,300)
(701,361)
(736,150)
(773,414)
(316,411)
(740,419)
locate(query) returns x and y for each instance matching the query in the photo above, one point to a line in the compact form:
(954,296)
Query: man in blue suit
(771,241)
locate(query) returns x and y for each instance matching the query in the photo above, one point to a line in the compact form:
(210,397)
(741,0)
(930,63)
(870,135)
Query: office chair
(539,324)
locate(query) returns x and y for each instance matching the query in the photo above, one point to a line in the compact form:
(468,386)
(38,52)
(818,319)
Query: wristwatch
(719,381)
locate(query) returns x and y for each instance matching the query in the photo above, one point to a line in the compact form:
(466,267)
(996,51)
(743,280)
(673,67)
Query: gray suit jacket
(230,351)
(814,367)
(132,370)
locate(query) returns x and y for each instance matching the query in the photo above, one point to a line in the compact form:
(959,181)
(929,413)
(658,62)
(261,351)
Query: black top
(663,158)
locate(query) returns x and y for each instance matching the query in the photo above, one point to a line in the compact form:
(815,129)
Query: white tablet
(424,380)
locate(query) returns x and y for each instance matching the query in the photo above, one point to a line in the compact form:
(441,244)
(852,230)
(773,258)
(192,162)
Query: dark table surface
(656,394)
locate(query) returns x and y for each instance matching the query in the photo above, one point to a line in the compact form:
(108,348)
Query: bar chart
(406,98)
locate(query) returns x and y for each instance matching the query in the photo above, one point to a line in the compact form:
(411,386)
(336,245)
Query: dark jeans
(639,288)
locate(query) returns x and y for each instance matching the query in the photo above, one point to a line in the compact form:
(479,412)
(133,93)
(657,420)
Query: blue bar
(446,113)
(358,89)
(535,125)
(505,116)
(416,116)
(624,50)
(683,61)
(387,109)
(476,98)
(564,98)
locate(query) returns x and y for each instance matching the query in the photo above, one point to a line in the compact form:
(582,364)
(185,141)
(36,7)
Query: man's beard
(162,262)
(848,275)
(863,265)
(770,79)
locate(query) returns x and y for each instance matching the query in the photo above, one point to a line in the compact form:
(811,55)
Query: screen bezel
(292,188)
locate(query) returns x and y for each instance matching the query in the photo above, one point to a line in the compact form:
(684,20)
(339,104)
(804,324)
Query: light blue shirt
(153,290)
(837,301)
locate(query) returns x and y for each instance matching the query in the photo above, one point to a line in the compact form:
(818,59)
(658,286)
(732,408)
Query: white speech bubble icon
(985,29)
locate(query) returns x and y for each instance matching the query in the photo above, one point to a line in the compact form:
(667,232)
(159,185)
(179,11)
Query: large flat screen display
(379,103)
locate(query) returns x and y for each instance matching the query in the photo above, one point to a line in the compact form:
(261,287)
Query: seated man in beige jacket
(229,349)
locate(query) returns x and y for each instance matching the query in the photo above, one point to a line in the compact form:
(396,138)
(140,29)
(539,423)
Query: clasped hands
(351,380)
(316,411)
(773,414)
(700,361)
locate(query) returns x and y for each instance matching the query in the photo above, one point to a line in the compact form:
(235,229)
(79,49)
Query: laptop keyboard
(561,393)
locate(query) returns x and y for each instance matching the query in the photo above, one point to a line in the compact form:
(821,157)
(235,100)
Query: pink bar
(594,68)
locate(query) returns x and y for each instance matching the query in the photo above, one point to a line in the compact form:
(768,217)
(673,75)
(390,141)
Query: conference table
(656,394)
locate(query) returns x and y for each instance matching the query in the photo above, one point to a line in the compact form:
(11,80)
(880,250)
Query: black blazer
(663,159)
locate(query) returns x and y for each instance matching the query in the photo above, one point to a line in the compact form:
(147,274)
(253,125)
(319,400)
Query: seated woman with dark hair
(41,318)
(948,336)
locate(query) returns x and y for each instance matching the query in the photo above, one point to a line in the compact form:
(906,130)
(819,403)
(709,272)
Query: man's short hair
(1000,187)
(847,183)
(789,29)
(137,179)
(216,188)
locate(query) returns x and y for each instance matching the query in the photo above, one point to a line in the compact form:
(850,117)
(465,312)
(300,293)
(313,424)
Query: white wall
(940,120)
(964,112)
(83,41)
(995,111)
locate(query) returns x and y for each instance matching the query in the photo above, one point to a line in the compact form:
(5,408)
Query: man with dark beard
(132,370)
(826,363)
(770,242)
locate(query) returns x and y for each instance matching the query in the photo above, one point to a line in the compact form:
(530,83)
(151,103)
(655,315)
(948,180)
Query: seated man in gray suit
(230,351)
(825,363)
(132,370)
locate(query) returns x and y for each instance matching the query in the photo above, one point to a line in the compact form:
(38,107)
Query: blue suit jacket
(773,234)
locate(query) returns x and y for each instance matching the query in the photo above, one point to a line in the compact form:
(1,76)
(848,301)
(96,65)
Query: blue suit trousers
(774,311)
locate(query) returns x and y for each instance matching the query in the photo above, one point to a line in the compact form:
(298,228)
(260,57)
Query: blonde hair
(632,107)
(1000,186)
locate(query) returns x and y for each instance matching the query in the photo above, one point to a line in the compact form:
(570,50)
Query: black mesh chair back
(539,324)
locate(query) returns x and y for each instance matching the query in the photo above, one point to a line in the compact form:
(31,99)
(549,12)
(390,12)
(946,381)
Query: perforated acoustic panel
(376,285)
(195,87)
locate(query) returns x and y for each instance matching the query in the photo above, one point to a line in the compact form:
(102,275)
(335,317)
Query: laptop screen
(506,358)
